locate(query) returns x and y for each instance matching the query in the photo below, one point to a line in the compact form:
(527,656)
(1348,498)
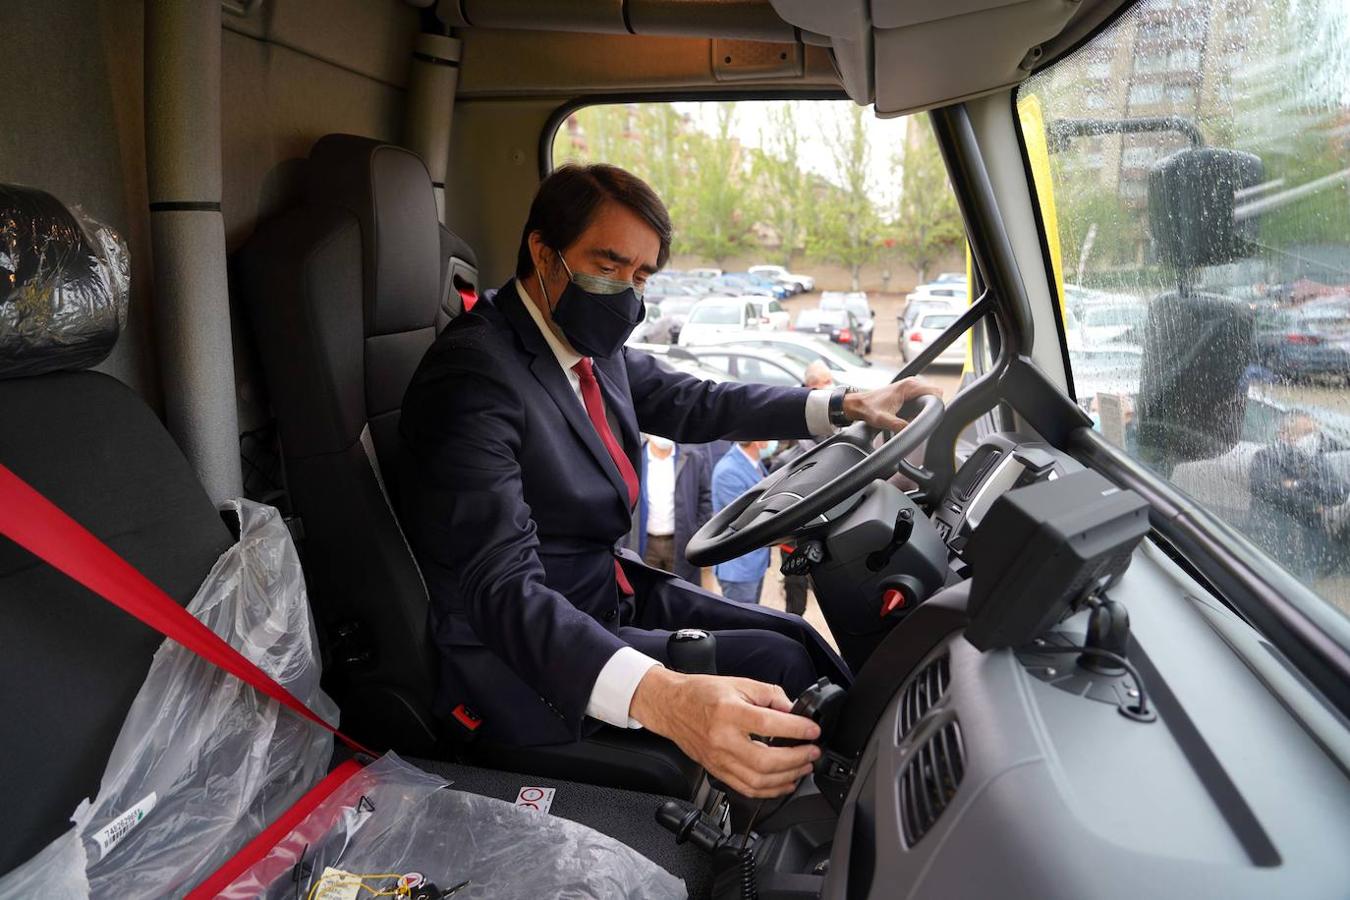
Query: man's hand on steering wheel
(878,407)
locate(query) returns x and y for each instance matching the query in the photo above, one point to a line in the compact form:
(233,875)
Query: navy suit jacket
(514,508)
(693,506)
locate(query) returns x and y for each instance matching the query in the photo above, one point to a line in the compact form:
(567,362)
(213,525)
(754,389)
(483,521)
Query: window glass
(1206,259)
(788,201)
(936,321)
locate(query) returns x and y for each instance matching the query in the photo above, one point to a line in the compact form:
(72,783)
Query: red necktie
(595,408)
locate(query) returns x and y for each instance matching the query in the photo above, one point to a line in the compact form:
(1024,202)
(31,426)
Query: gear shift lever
(692,651)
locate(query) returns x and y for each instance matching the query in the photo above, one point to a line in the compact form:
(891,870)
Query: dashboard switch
(892,600)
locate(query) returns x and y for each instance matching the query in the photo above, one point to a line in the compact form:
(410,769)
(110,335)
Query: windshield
(1199,180)
(716,314)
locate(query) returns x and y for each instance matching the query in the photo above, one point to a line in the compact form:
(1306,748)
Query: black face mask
(596,314)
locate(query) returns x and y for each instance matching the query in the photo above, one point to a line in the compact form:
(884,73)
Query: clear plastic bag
(64,279)
(392,820)
(203,762)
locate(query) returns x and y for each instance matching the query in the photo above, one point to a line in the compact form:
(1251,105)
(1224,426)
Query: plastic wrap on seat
(392,821)
(64,279)
(203,762)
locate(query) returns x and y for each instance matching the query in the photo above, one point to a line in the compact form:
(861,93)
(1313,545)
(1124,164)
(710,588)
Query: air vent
(928,783)
(923,693)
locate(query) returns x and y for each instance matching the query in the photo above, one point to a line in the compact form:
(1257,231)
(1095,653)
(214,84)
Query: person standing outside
(739,469)
(676,500)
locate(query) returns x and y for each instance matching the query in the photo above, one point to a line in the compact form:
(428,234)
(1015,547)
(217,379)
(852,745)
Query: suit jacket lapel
(544,366)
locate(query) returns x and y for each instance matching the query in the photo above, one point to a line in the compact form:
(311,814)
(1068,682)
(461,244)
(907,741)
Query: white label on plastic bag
(110,835)
(540,798)
(335,884)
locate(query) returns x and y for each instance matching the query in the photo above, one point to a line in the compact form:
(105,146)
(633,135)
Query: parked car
(1108,322)
(955,291)
(845,366)
(742,284)
(856,303)
(713,314)
(1302,342)
(839,325)
(705,273)
(926,327)
(749,364)
(950,278)
(771,312)
(916,308)
(780,274)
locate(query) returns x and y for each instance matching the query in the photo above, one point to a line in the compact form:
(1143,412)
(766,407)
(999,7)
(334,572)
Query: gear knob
(692,651)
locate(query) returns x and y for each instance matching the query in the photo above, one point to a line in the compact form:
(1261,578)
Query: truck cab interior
(1077,674)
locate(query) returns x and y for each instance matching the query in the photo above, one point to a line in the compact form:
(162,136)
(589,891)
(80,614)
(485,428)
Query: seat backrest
(345,293)
(71,663)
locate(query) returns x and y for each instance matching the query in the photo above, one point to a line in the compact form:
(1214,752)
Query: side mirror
(1193,208)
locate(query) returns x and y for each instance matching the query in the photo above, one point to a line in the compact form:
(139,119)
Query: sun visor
(64,279)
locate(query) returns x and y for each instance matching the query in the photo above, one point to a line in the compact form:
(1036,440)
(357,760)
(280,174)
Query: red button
(892,600)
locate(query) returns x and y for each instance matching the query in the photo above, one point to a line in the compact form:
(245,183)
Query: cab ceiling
(902,55)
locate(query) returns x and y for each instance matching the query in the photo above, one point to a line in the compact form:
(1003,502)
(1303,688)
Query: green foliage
(717,221)
(780,181)
(847,225)
(928,223)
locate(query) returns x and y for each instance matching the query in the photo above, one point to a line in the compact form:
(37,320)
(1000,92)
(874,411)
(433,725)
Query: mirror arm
(978,310)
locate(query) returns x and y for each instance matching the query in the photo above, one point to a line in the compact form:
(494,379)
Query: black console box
(1042,548)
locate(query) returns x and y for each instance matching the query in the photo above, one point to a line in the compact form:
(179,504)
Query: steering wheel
(811,490)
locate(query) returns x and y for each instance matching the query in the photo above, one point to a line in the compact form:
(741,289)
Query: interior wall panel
(74,127)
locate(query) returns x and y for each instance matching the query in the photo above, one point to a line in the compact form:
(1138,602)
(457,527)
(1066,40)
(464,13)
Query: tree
(847,227)
(715,215)
(928,226)
(783,185)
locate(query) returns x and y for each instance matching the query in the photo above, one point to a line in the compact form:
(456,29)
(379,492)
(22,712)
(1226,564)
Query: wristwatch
(837,417)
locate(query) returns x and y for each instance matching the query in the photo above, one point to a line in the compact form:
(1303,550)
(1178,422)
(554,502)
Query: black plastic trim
(559,115)
(1301,625)
(185,206)
(627,22)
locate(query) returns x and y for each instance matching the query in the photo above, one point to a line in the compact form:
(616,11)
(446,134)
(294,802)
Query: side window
(811,196)
(766,373)
(1197,193)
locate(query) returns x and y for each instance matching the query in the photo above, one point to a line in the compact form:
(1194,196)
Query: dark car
(840,325)
(1303,343)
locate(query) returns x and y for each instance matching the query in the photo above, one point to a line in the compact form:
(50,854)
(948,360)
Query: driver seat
(345,294)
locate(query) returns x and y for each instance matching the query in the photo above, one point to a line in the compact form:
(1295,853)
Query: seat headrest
(389,191)
(64,279)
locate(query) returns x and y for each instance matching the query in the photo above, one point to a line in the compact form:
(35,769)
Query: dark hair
(568,198)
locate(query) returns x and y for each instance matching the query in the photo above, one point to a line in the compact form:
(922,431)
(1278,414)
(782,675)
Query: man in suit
(740,469)
(521,430)
(676,500)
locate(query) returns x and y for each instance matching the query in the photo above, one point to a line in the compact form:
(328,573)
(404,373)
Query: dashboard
(1013,773)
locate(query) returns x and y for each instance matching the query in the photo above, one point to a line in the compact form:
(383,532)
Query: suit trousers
(752,641)
(660,552)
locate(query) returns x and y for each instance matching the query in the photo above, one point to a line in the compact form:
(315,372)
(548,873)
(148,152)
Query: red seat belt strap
(36,524)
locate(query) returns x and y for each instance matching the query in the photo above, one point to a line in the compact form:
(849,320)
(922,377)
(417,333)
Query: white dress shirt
(660,493)
(614,687)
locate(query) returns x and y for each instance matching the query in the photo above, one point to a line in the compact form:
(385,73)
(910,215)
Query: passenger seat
(71,663)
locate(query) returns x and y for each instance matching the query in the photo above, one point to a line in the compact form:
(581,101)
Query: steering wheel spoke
(797,496)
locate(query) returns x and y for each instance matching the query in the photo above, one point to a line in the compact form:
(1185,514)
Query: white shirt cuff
(614,687)
(818,413)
